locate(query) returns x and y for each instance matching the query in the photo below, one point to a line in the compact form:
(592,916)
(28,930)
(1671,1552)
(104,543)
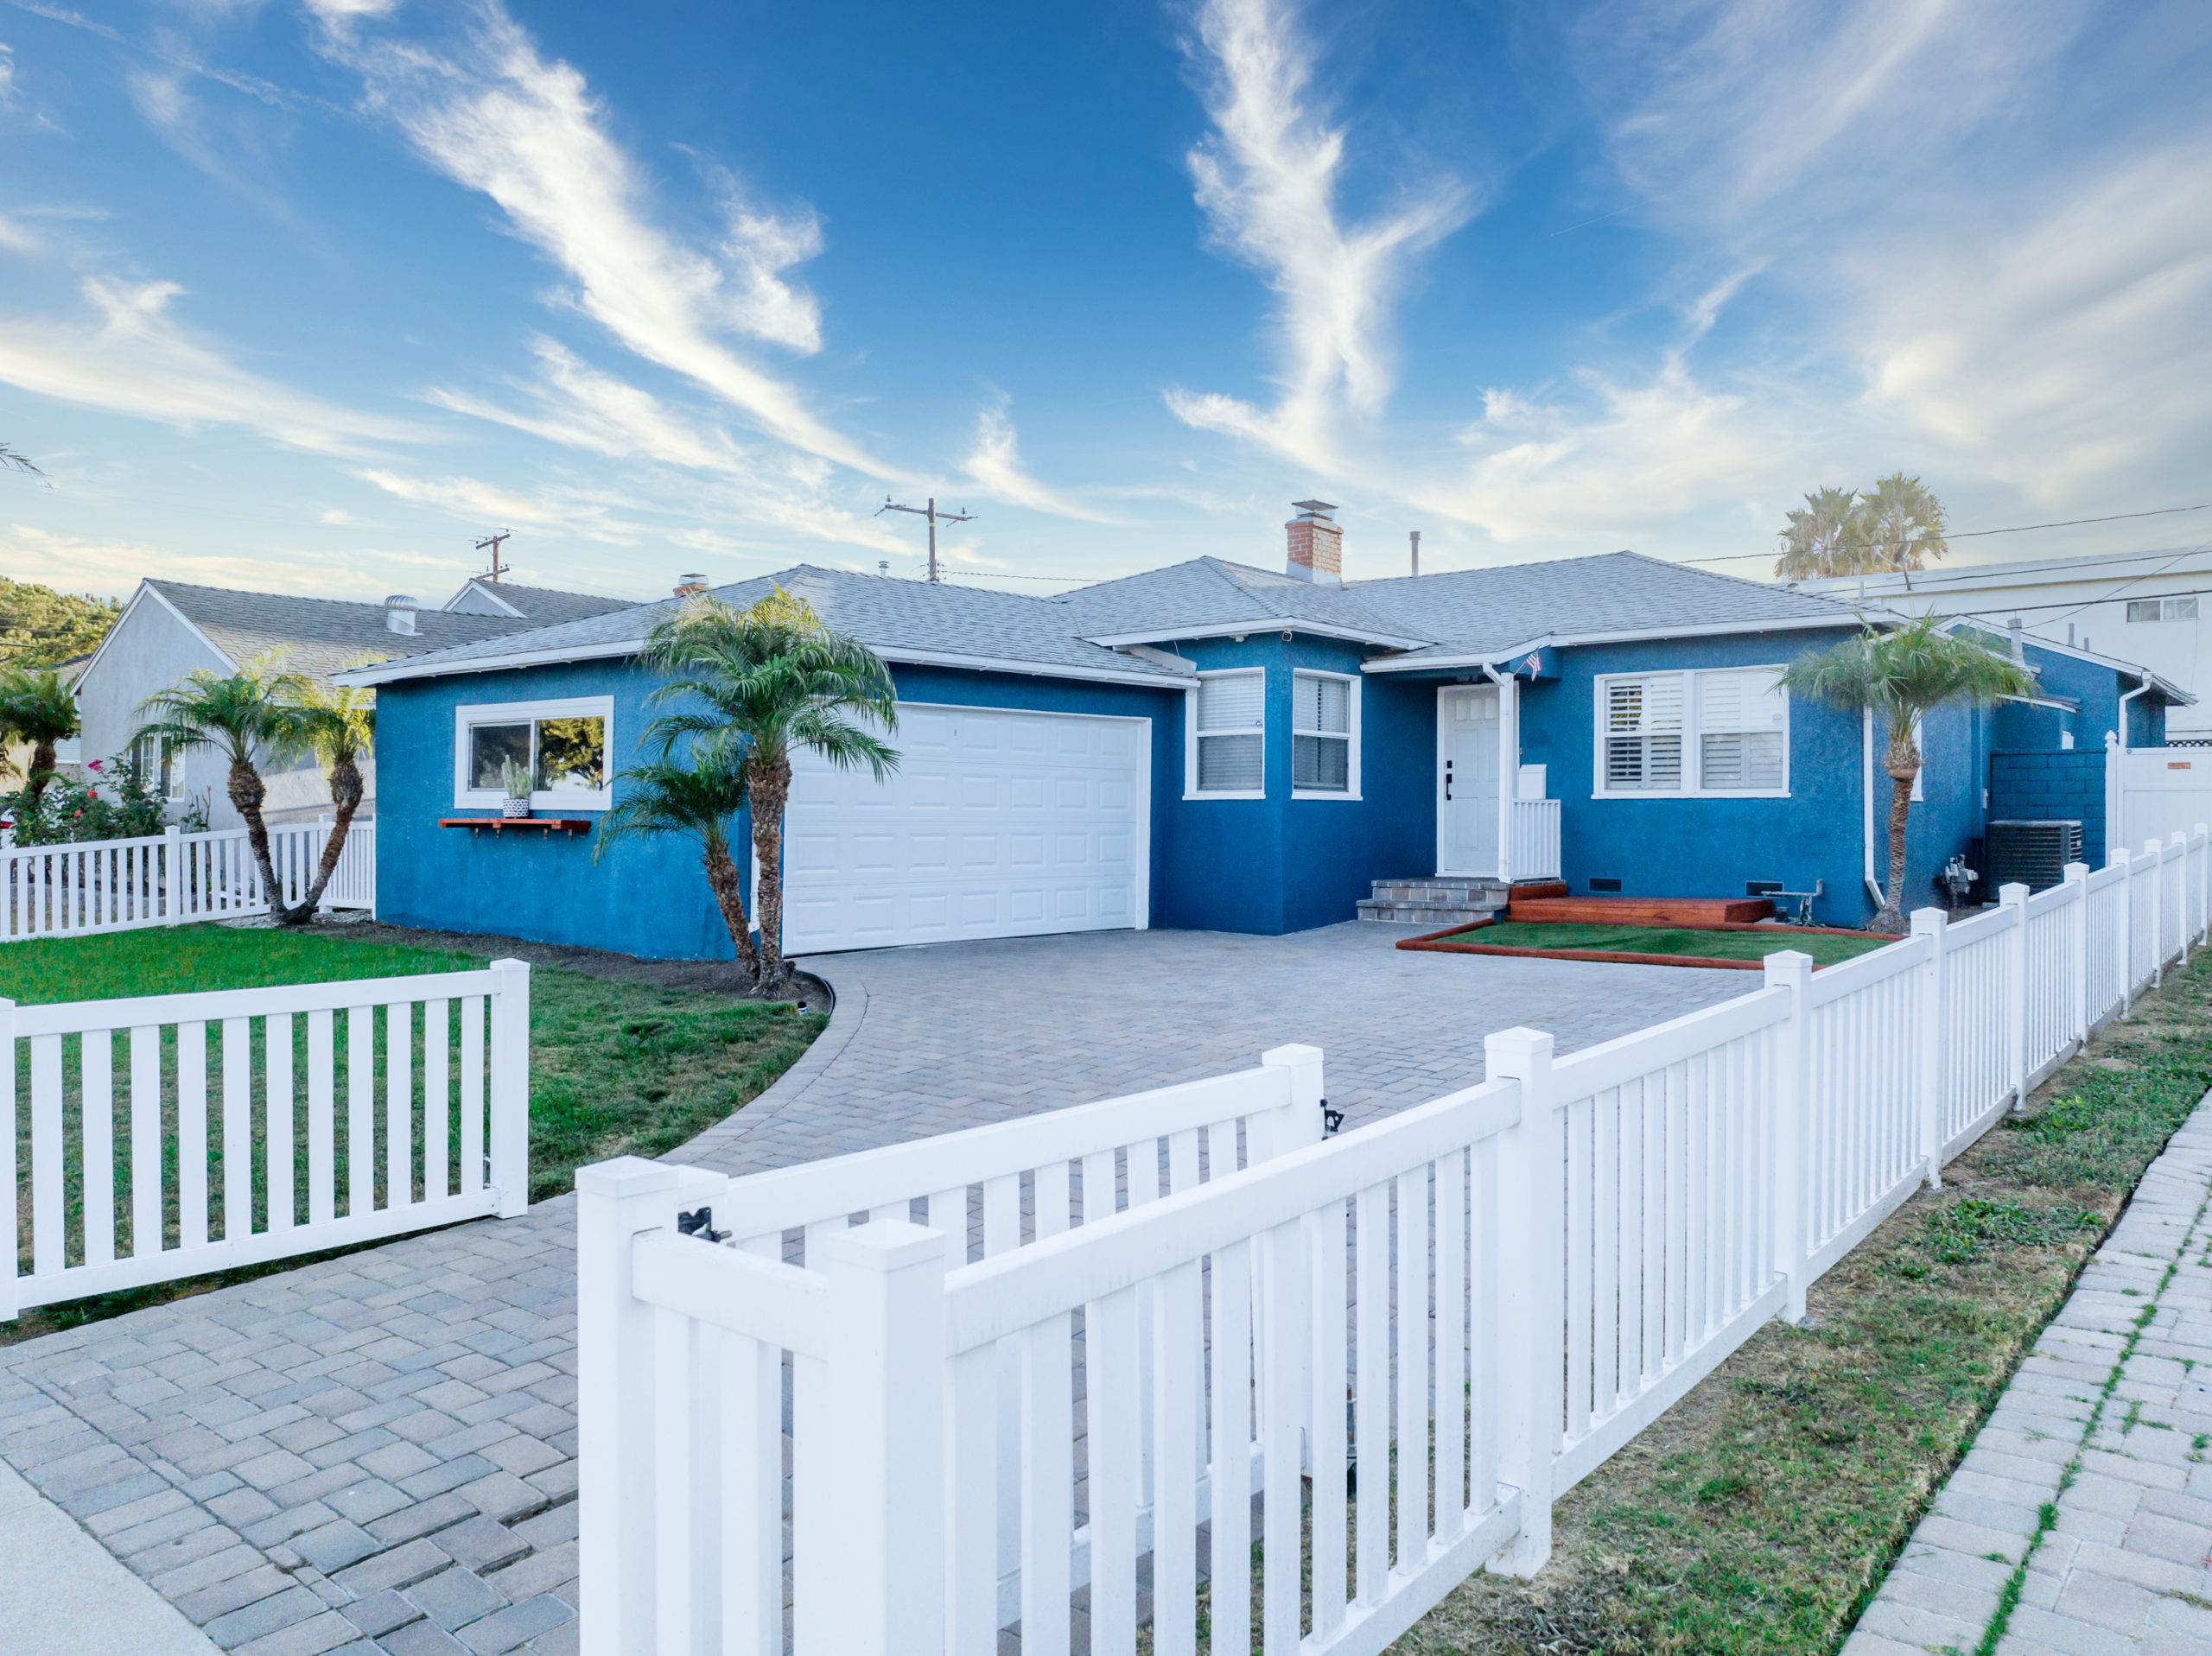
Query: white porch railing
(165,879)
(425,1121)
(1594,1234)
(1534,851)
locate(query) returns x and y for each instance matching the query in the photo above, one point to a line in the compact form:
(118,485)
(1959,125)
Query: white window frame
(515,713)
(156,753)
(1693,744)
(2169,609)
(1192,732)
(1349,736)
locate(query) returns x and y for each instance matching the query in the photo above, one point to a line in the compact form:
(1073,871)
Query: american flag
(1532,665)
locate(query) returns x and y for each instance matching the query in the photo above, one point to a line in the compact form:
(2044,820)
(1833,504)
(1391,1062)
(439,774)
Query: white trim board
(466,797)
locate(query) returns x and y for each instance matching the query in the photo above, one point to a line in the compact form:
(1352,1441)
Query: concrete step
(1434,889)
(1433,915)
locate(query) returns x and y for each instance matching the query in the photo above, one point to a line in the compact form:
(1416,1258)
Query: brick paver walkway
(375,1453)
(2108,1425)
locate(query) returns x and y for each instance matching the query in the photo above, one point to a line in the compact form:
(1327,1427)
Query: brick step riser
(1433,915)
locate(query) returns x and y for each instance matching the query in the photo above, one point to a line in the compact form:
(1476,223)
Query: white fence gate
(169,878)
(1590,1237)
(424,1120)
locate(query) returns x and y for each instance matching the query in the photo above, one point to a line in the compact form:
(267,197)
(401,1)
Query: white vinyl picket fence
(173,1135)
(989,1376)
(172,878)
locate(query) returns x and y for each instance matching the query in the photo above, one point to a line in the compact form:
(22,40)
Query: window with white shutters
(1742,731)
(1716,731)
(1321,715)
(1644,733)
(1229,733)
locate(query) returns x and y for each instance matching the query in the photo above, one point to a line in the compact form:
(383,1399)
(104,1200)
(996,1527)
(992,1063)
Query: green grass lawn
(1825,948)
(616,1067)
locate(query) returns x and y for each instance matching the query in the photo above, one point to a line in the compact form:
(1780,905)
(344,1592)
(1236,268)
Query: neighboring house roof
(319,636)
(2000,638)
(2180,561)
(540,605)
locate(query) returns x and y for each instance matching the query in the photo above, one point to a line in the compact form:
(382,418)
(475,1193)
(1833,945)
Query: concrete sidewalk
(2108,1422)
(61,1591)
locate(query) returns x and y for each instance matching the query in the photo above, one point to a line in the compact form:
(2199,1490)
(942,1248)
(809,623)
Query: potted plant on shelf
(517,778)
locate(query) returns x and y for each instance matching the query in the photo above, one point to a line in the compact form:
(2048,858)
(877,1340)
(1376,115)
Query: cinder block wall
(2043,786)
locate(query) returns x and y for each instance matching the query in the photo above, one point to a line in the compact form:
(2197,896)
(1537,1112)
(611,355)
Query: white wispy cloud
(110,567)
(132,356)
(994,464)
(1268,177)
(581,407)
(487,109)
(588,513)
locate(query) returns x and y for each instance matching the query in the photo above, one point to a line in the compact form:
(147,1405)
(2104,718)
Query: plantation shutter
(1232,711)
(1644,731)
(1742,730)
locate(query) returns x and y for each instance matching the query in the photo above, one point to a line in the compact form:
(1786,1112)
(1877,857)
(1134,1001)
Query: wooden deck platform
(1642,910)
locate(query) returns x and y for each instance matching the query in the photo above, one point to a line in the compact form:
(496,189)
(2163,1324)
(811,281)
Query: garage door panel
(941,850)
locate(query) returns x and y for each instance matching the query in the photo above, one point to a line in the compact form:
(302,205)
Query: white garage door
(995,825)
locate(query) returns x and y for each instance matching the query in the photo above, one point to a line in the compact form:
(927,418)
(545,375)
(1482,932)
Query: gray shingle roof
(1465,612)
(545,606)
(899,618)
(319,636)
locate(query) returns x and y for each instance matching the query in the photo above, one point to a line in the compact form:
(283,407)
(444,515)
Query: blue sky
(312,297)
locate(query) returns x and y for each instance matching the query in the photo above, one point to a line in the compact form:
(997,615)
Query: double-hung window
(1715,732)
(1228,749)
(564,746)
(1324,736)
(161,768)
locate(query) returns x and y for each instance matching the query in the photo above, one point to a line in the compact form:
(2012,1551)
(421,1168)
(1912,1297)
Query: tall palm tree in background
(1901,524)
(337,724)
(13,461)
(698,796)
(1901,676)
(771,678)
(36,706)
(1896,526)
(250,717)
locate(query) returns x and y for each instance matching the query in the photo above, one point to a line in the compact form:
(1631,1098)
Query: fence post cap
(509,964)
(1515,1047)
(1290,1056)
(2014,892)
(1929,919)
(625,1176)
(2077,871)
(1786,964)
(884,1244)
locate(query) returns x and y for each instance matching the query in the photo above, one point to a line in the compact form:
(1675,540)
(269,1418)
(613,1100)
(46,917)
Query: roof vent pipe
(1416,540)
(2019,650)
(691,586)
(399,613)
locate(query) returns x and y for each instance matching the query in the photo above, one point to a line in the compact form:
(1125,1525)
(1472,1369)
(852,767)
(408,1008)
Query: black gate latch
(699,1224)
(1331,1120)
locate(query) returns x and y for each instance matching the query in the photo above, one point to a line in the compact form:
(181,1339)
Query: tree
(767,680)
(36,706)
(1895,525)
(251,716)
(1902,676)
(13,461)
(337,724)
(697,799)
(40,627)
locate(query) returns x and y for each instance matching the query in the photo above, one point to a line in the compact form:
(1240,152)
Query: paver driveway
(375,1452)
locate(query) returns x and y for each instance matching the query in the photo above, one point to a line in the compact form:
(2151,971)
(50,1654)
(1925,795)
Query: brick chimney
(1316,544)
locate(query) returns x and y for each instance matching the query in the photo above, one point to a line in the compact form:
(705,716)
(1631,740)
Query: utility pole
(497,568)
(935,517)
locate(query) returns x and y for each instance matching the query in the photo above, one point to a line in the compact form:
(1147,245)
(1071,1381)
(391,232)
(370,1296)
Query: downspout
(2124,700)
(1867,794)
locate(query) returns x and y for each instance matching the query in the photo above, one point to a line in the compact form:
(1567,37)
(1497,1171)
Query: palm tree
(338,725)
(11,459)
(772,677)
(36,706)
(699,799)
(1901,524)
(1822,539)
(249,716)
(1901,676)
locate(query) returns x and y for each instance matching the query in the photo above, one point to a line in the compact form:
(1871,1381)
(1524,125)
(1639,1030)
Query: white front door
(995,824)
(1467,755)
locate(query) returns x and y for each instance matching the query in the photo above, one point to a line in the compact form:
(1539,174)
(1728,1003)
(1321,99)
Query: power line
(930,513)
(1972,534)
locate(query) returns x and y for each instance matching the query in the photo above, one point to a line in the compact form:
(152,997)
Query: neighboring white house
(169,628)
(2144,607)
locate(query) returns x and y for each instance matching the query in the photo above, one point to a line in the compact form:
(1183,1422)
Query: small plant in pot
(517,778)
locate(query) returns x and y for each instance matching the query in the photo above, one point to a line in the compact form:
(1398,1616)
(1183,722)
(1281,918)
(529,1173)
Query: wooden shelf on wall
(545,825)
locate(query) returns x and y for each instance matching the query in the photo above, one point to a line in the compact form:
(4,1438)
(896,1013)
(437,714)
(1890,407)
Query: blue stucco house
(1216,746)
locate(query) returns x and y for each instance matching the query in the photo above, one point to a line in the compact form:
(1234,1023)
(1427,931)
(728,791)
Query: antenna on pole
(498,568)
(935,517)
